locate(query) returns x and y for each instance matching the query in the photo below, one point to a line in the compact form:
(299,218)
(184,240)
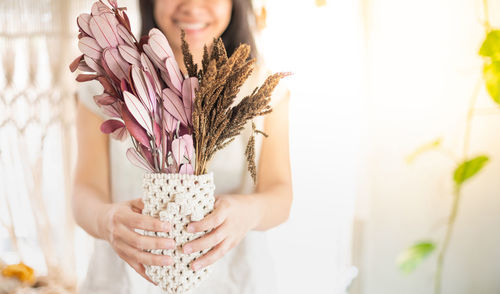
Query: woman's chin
(197,44)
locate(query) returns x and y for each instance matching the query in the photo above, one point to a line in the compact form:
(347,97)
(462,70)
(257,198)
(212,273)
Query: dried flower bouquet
(176,122)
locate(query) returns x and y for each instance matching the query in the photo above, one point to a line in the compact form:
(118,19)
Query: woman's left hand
(233,216)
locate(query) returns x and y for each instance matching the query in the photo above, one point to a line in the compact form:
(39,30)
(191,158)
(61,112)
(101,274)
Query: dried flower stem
(215,120)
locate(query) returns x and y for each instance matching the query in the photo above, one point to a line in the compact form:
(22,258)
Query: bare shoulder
(92,166)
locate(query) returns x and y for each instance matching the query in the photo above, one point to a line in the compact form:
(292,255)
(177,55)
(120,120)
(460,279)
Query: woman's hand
(117,227)
(233,216)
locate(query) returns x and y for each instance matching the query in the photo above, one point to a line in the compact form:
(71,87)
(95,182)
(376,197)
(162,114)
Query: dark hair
(238,30)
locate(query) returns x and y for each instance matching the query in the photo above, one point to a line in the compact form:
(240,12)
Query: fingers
(211,221)
(134,255)
(137,205)
(141,270)
(211,256)
(143,242)
(144,222)
(207,241)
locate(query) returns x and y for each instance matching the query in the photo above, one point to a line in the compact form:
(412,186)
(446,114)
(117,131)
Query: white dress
(246,269)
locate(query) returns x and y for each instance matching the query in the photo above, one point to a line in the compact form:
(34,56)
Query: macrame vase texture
(178,199)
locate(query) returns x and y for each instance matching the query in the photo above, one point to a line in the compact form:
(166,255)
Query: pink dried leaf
(151,89)
(124,86)
(178,150)
(103,33)
(148,67)
(147,155)
(120,134)
(169,83)
(173,105)
(108,87)
(157,132)
(108,72)
(110,125)
(174,73)
(169,122)
(154,58)
(131,55)
(188,143)
(159,44)
(125,35)
(86,77)
(83,23)
(94,65)
(140,87)
(138,111)
(189,87)
(157,114)
(104,99)
(99,8)
(113,23)
(84,67)
(123,20)
(90,47)
(110,110)
(137,160)
(113,3)
(154,31)
(75,63)
(118,66)
(134,128)
(186,169)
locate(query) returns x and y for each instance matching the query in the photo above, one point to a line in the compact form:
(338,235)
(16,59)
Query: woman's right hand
(117,226)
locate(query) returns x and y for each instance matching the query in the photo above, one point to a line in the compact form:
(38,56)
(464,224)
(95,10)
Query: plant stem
(446,242)
(457,190)
(470,115)
(486,15)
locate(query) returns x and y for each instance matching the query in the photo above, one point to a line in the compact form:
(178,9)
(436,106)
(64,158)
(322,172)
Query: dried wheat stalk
(216,121)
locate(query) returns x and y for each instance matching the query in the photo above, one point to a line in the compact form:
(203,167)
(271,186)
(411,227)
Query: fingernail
(166,226)
(187,249)
(190,229)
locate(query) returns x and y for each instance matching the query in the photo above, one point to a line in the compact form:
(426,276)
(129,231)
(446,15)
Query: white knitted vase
(179,199)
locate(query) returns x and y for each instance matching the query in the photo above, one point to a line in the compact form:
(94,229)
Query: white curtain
(37,136)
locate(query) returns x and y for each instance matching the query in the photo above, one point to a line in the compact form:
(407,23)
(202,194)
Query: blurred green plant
(466,167)
(414,255)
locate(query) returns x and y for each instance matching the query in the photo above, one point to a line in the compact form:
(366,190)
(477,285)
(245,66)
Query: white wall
(322,46)
(423,66)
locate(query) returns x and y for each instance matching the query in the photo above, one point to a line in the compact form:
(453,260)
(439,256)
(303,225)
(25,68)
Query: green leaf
(491,45)
(409,259)
(491,75)
(468,169)
(422,149)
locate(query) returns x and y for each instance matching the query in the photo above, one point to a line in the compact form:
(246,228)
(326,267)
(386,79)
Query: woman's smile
(202,21)
(191,27)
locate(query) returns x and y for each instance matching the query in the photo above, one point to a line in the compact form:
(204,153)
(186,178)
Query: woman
(107,203)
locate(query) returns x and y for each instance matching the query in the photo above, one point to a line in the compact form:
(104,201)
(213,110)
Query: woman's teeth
(191,26)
